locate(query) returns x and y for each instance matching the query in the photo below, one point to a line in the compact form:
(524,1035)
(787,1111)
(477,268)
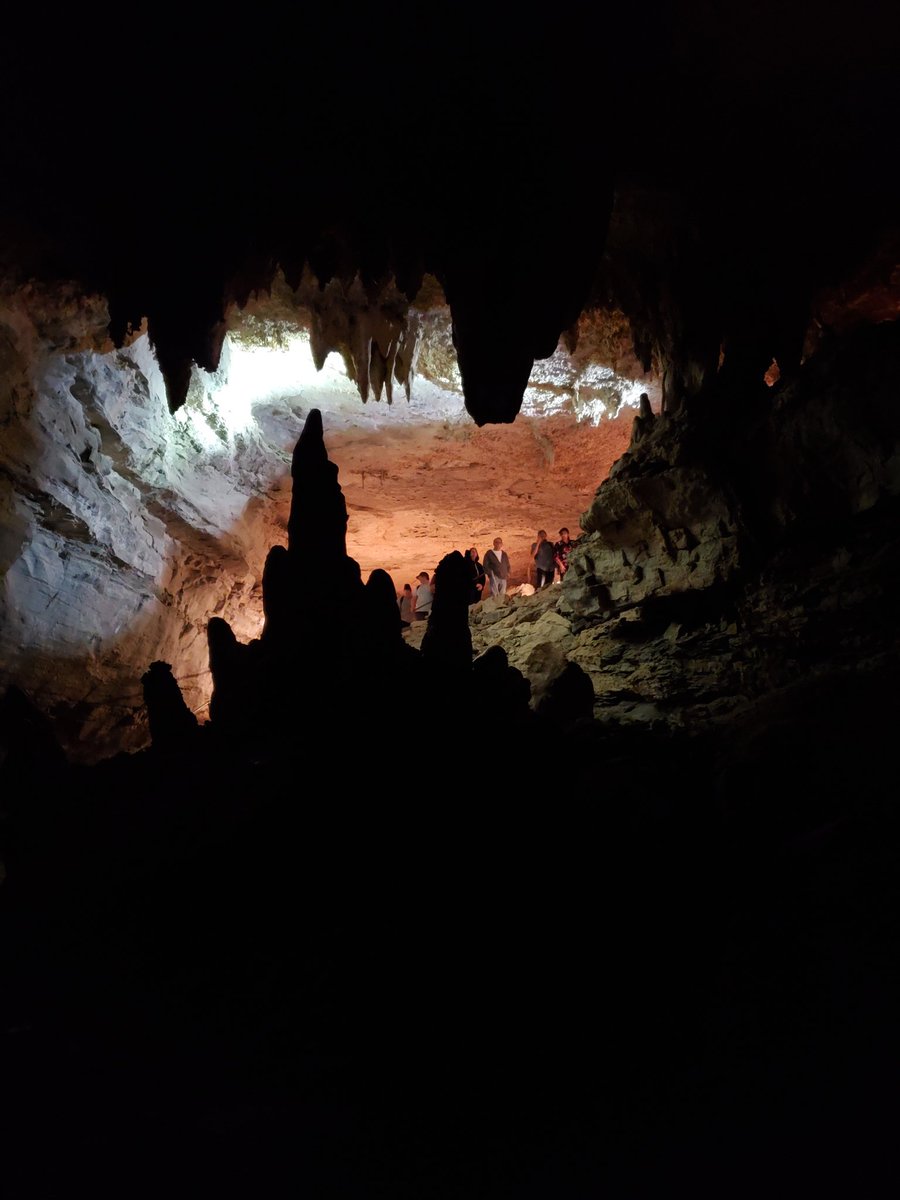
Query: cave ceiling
(705,177)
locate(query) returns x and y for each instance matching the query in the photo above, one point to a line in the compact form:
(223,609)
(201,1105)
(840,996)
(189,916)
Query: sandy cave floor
(414,493)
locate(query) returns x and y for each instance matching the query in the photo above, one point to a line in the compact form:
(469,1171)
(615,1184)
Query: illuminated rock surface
(126,529)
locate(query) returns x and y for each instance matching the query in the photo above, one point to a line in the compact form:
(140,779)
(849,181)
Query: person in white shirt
(422,598)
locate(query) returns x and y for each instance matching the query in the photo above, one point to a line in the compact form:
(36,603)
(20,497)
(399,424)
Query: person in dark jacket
(543,553)
(496,565)
(478,575)
(405,601)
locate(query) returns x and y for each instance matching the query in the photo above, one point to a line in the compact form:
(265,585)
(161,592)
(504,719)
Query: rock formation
(704,588)
(172,724)
(412,921)
(123,527)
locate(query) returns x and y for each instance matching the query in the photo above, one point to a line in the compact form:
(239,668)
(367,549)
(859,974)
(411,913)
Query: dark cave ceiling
(175,163)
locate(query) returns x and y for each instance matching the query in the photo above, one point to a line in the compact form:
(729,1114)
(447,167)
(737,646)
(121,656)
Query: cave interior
(586,892)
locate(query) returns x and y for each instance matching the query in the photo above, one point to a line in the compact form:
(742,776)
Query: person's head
(498,543)
(564,534)
(422,577)
(542,533)
(407,587)
(473,554)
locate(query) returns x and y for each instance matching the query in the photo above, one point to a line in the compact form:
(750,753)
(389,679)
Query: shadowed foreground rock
(379,914)
(172,724)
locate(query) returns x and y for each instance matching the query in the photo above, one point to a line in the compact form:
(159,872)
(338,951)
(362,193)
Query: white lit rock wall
(122,529)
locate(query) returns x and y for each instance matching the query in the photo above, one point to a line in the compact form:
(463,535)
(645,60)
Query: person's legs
(501,587)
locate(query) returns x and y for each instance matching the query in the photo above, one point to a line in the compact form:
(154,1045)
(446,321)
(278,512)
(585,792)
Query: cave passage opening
(133,526)
(419,476)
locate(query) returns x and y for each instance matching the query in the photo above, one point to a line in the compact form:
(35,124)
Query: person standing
(405,601)
(478,575)
(422,598)
(561,551)
(496,565)
(542,551)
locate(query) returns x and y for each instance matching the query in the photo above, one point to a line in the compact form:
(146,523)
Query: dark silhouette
(448,639)
(172,724)
(478,574)
(569,699)
(405,606)
(301,946)
(643,421)
(384,615)
(505,692)
(27,741)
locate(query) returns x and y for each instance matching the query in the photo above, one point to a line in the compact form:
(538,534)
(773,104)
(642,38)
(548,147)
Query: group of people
(550,557)
(493,574)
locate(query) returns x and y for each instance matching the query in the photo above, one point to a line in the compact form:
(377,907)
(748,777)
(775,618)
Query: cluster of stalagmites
(332,653)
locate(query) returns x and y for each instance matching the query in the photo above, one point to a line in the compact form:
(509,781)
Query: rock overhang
(704,187)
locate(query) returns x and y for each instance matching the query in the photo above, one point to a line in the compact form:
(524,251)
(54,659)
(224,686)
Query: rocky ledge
(706,590)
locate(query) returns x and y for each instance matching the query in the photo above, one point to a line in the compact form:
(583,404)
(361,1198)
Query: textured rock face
(700,592)
(124,529)
(653,535)
(120,537)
